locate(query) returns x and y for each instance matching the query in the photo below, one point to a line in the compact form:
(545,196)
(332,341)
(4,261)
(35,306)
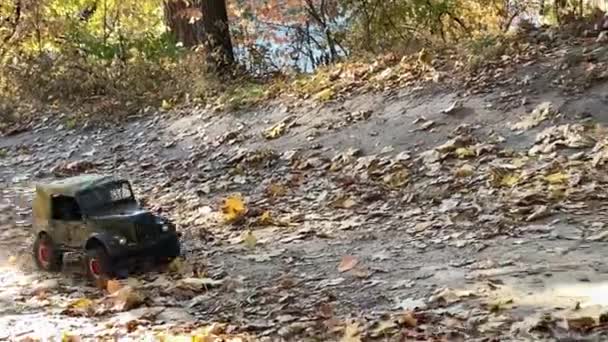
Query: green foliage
(104,55)
(384,25)
(242,95)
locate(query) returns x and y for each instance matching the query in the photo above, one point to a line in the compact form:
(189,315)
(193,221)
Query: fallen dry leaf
(326,310)
(344,203)
(351,333)
(504,177)
(113,285)
(542,112)
(166,105)
(276,190)
(276,131)
(464,171)
(70,337)
(557,178)
(198,284)
(456,105)
(449,296)
(126,298)
(581,324)
(383,327)
(539,212)
(509,180)
(361,272)
(465,152)
(397,179)
(408,320)
(176,265)
(80,307)
(325,95)
(348,263)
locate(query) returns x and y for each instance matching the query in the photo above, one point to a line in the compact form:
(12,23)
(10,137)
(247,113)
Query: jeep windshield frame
(105,196)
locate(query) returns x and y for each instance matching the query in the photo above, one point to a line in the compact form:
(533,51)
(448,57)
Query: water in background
(291,46)
(288,50)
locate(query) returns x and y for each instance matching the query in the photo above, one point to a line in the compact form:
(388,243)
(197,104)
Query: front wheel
(171,250)
(46,254)
(99,264)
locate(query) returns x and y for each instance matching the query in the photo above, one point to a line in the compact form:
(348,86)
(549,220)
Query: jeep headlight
(122,240)
(165,227)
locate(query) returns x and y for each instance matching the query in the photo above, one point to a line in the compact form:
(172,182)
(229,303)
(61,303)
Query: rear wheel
(98,264)
(46,254)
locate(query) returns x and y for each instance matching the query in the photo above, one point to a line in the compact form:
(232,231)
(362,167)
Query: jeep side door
(66,221)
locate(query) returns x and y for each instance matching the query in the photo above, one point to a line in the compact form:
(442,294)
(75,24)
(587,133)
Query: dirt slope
(381,204)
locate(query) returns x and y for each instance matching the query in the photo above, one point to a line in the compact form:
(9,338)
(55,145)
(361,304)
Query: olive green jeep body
(98,215)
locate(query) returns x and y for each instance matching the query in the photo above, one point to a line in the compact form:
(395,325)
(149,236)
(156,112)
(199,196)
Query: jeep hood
(134,215)
(126,213)
(124,221)
(120,212)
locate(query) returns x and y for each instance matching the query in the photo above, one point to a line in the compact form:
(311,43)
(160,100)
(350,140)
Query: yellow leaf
(325,94)
(519,162)
(351,333)
(465,170)
(276,190)
(12,260)
(176,265)
(276,131)
(69,337)
(79,307)
(464,152)
(557,178)
(265,219)
(557,192)
(249,239)
(81,304)
(509,180)
(234,208)
(504,176)
(213,329)
(166,105)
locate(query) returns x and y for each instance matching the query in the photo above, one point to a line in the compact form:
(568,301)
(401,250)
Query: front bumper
(165,246)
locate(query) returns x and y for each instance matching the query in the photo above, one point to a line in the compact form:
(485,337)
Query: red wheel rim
(94,267)
(44,254)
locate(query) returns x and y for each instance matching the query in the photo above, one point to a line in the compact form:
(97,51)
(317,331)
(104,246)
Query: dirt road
(386,211)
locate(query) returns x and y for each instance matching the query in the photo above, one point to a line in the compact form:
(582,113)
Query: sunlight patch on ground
(574,295)
(23,313)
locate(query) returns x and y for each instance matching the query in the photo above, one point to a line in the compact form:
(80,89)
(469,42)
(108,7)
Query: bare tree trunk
(181,18)
(201,22)
(13,20)
(215,22)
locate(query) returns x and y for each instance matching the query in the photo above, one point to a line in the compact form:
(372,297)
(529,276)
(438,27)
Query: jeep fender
(109,242)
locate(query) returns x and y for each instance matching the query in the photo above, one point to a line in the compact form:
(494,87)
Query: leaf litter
(441,191)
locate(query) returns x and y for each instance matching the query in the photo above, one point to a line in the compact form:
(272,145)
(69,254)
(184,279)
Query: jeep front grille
(147,232)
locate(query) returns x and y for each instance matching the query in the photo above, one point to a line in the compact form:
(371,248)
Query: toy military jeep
(98,215)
